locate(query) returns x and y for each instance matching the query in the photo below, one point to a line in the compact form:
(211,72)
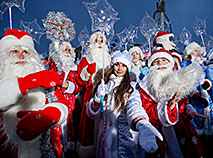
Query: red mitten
(52,65)
(33,123)
(45,78)
(91,68)
(56,141)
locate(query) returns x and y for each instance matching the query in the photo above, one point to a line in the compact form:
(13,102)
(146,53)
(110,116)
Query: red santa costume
(62,57)
(89,73)
(165,40)
(25,115)
(156,89)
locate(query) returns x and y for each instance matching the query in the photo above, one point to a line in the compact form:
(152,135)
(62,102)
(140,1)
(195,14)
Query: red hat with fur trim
(162,53)
(161,35)
(16,38)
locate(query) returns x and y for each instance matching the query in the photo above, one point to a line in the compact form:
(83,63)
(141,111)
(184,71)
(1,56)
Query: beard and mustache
(67,61)
(197,59)
(100,55)
(9,67)
(156,79)
(163,84)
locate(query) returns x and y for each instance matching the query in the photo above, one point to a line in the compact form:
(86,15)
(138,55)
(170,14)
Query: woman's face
(119,69)
(196,52)
(135,56)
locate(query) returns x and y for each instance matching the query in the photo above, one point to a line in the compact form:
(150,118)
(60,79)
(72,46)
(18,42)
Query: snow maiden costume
(120,135)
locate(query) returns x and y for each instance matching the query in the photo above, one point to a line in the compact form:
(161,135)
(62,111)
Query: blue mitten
(147,135)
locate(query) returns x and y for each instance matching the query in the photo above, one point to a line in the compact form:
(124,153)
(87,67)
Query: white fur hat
(162,53)
(97,35)
(136,49)
(16,38)
(123,57)
(192,47)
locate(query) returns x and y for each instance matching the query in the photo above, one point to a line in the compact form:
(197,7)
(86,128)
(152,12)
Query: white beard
(67,62)
(100,55)
(34,99)
(197,60)
(33,64)
(156,78)
(165,83)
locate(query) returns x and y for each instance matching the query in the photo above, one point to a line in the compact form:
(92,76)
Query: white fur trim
(160,55)
(136,49)
(164,40)
(162,37)
(84,74)
(97,99)
(10,92)
(89,111)
(10,42)
(63,109)
(191,47)
(123,58)
(70,88)
(163,114)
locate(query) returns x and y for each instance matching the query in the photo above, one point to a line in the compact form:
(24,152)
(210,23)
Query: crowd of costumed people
(104,102)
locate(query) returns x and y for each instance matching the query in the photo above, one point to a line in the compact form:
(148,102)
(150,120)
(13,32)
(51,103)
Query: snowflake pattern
(182,140)
(194,140)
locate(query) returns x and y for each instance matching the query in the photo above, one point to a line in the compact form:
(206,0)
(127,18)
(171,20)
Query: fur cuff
(84,74)
(70,88)
(63,109)
(89,111)
(163,114)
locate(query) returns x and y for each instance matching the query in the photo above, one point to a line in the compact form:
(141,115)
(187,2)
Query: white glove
(101,91)
(147,133)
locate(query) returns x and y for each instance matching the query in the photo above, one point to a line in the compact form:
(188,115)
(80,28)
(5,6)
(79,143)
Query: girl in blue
(124,128)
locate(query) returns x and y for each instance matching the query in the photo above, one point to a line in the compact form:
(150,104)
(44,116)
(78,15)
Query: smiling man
(163,93)
(26,117)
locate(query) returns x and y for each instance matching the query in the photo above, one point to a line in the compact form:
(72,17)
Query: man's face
(159,62)
(19,53)
(67,50)
(99,41)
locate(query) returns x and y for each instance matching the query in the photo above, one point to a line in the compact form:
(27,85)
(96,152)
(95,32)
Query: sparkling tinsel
(45,146)
(59,27)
